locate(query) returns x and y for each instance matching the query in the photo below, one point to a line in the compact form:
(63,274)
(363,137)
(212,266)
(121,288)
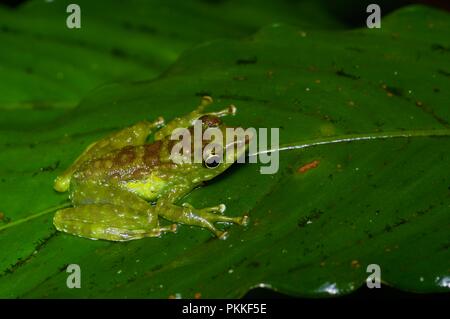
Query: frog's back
(128,163)
(134,168)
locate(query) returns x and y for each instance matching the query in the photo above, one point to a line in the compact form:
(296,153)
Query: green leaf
(369,107)
(50,67)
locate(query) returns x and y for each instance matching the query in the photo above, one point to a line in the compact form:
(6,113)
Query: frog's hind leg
(134,135)
(87,193)
(108,222)
(205,217)
(106,212)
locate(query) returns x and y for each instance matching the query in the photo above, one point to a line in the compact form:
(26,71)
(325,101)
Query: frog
(123,184)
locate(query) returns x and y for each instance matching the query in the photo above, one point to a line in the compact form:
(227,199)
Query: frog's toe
(169,229)
(222,235)
(244,220)
(219,209)
(230,110)
(206,100)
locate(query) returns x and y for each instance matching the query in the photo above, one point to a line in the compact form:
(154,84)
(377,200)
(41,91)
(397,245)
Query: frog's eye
(212,161)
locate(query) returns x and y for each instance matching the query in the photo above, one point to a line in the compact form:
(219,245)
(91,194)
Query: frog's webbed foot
(203,217)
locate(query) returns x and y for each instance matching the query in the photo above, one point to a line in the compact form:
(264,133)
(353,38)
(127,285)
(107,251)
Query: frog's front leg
(188,120)
(204,217)
(134,135)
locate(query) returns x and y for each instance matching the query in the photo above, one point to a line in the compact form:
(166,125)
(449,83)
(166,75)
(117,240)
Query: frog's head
(220,147)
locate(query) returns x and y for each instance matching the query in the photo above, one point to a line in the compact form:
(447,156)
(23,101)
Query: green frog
(121,184)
